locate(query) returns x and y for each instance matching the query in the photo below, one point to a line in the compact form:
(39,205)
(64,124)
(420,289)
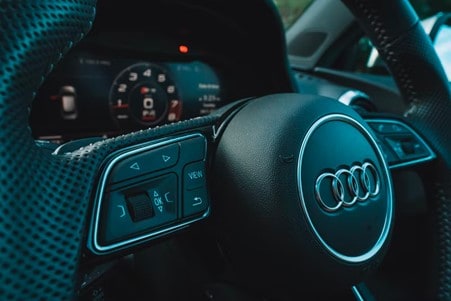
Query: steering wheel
(308,193)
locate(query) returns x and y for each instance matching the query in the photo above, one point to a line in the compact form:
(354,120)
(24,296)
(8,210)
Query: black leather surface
(262,225)
(45,197)
(41,208)
(441,269)
(410,57)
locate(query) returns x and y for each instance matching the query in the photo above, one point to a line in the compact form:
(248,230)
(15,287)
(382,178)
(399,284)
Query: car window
(435,16)
(290,10)
(442,44)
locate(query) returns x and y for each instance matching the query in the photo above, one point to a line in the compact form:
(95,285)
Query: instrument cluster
(108,95)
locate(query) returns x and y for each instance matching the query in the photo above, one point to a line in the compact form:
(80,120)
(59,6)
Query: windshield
(435,16)
(442,45)
(427,8)
(290,10)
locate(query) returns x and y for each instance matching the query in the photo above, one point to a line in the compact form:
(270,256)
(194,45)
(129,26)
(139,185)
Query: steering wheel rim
(395,30)
(46,197)
(35,226)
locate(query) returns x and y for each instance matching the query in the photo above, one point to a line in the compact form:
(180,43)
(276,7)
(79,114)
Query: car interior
(224,150)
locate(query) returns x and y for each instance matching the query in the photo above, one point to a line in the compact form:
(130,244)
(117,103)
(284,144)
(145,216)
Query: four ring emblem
(347,186)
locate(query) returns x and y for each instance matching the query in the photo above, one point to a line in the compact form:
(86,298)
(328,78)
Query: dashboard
(131,73)
(93,94)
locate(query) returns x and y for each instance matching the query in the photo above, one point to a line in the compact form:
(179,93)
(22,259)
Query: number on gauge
(144,95)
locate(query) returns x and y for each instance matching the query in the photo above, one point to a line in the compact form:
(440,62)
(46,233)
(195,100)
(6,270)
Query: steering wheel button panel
(385,127)
(388,154)
(401,145)
(149,190)
(146,162)
(147,209)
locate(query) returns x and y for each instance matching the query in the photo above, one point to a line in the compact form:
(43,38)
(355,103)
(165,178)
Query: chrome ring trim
(357,294)
(389,214)
(348,97)
(375,176)
(99,249)
(354,187)
(338,193)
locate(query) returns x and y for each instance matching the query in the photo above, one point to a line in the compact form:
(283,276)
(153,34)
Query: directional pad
(149,190)
(145,162)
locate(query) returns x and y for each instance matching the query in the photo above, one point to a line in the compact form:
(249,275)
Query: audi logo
(347,186)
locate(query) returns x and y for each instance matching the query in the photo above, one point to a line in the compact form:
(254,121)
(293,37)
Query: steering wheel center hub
(344,188)
(308,174)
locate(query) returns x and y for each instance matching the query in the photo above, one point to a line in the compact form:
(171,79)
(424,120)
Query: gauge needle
(122,106)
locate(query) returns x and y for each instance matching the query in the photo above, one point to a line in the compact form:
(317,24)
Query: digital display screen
(97,96)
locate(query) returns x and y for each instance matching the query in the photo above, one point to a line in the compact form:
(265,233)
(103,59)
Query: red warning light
(144,90)
(183,49)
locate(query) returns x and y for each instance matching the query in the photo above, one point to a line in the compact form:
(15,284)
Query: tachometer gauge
(144,95)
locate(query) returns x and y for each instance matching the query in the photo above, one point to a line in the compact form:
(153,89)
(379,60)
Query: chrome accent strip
(99,249)
(357,294)
(349,96)
(389,215)
(431,156)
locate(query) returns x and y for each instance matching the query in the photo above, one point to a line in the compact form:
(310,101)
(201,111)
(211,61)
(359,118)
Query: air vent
(357,100)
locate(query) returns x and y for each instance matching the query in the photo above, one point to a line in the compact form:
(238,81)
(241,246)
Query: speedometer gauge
(144,95)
